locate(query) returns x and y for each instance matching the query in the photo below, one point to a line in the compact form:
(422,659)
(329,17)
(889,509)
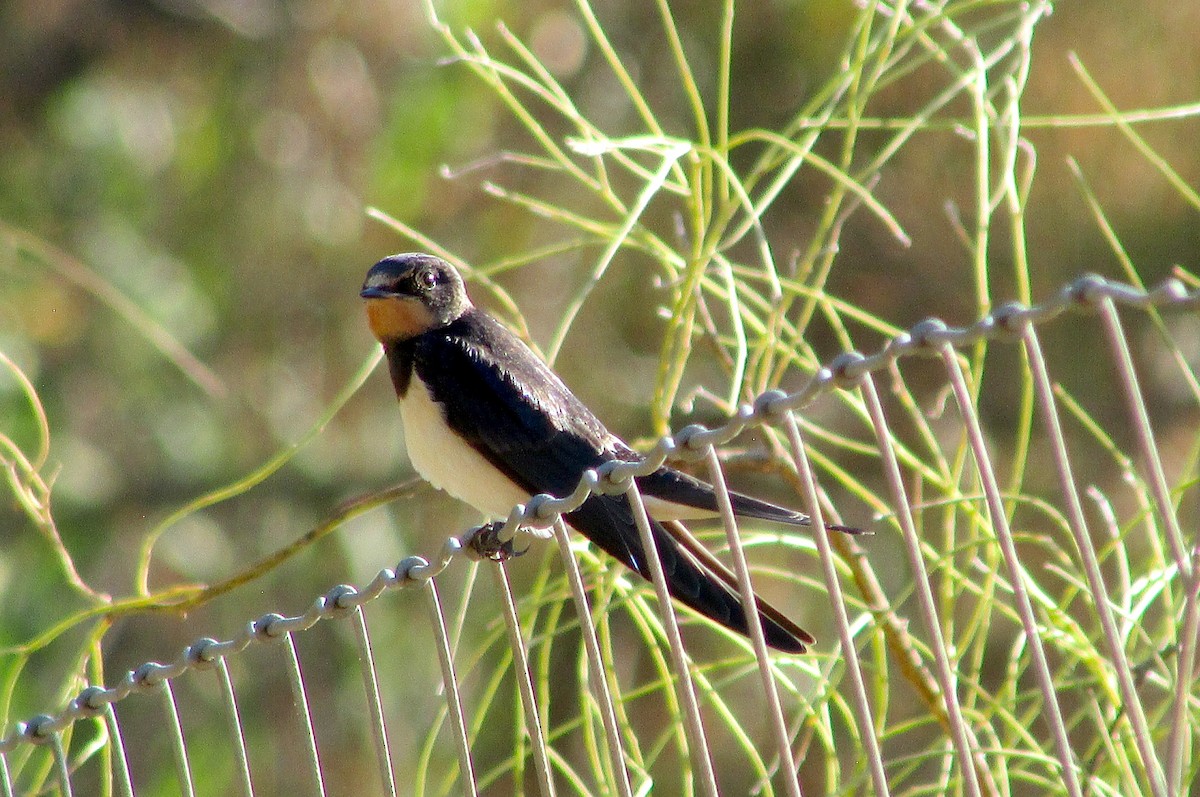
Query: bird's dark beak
(374,293)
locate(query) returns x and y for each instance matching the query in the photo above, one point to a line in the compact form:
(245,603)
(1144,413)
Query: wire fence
(1147,706)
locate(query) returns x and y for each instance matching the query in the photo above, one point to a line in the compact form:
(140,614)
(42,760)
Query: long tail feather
(694,576)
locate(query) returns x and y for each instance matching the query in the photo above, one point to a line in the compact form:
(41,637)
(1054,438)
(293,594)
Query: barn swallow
(487,421)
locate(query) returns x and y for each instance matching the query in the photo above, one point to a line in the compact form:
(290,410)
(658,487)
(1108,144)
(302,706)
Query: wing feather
(520,416)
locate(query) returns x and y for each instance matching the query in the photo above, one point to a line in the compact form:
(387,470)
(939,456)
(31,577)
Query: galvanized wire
(841,619)
(741,568)
(235,728)
(1016,572)
(960,733)
(183,767)
(597,670)
(533,717)
(300,698)
(693,723)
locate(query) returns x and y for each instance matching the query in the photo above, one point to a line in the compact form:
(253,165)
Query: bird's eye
(426,278)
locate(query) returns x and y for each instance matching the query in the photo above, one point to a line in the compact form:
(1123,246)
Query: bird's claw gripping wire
(487,543)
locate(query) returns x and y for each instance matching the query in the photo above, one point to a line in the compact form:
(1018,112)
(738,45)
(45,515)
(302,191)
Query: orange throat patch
(393,319)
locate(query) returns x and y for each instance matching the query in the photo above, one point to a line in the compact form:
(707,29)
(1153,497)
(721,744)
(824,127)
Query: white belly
(447,462)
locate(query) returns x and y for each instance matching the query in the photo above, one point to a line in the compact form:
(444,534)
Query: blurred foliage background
(211,162)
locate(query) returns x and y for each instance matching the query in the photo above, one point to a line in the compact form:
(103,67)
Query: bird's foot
(487,544)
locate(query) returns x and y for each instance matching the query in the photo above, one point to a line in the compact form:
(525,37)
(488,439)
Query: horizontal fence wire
(541,518)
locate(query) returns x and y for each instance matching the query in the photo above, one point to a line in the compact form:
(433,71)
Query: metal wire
(458,719)
(841,619)
(533,718)
(742,569)
(300,697)
(62,770)
(235,727)
(1016,573)
(597,671)
(183,767)
(959,732)
(848,371)
(121,772)
(383,754)
(1083,540)
(701,753)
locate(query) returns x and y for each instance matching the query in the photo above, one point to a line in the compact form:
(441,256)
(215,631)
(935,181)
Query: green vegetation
(681,208)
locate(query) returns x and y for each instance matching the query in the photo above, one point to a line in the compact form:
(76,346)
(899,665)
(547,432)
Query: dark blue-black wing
(517,413)
(520,417)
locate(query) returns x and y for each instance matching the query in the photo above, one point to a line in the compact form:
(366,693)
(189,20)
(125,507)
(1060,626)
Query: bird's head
(410,294)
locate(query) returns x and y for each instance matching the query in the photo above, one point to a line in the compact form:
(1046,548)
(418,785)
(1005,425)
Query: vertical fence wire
(241,759)
(62,767)
(841,620)
(783,740)
(1180,748)
(1156,479)
(597,671)
(521,673)
(182,767)
(1087,551)
(1135,405)
(959,732)
(463,599)
(120,759)
(300,697)
(383,753)
(1016,574)
(458,719)
(698,747)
